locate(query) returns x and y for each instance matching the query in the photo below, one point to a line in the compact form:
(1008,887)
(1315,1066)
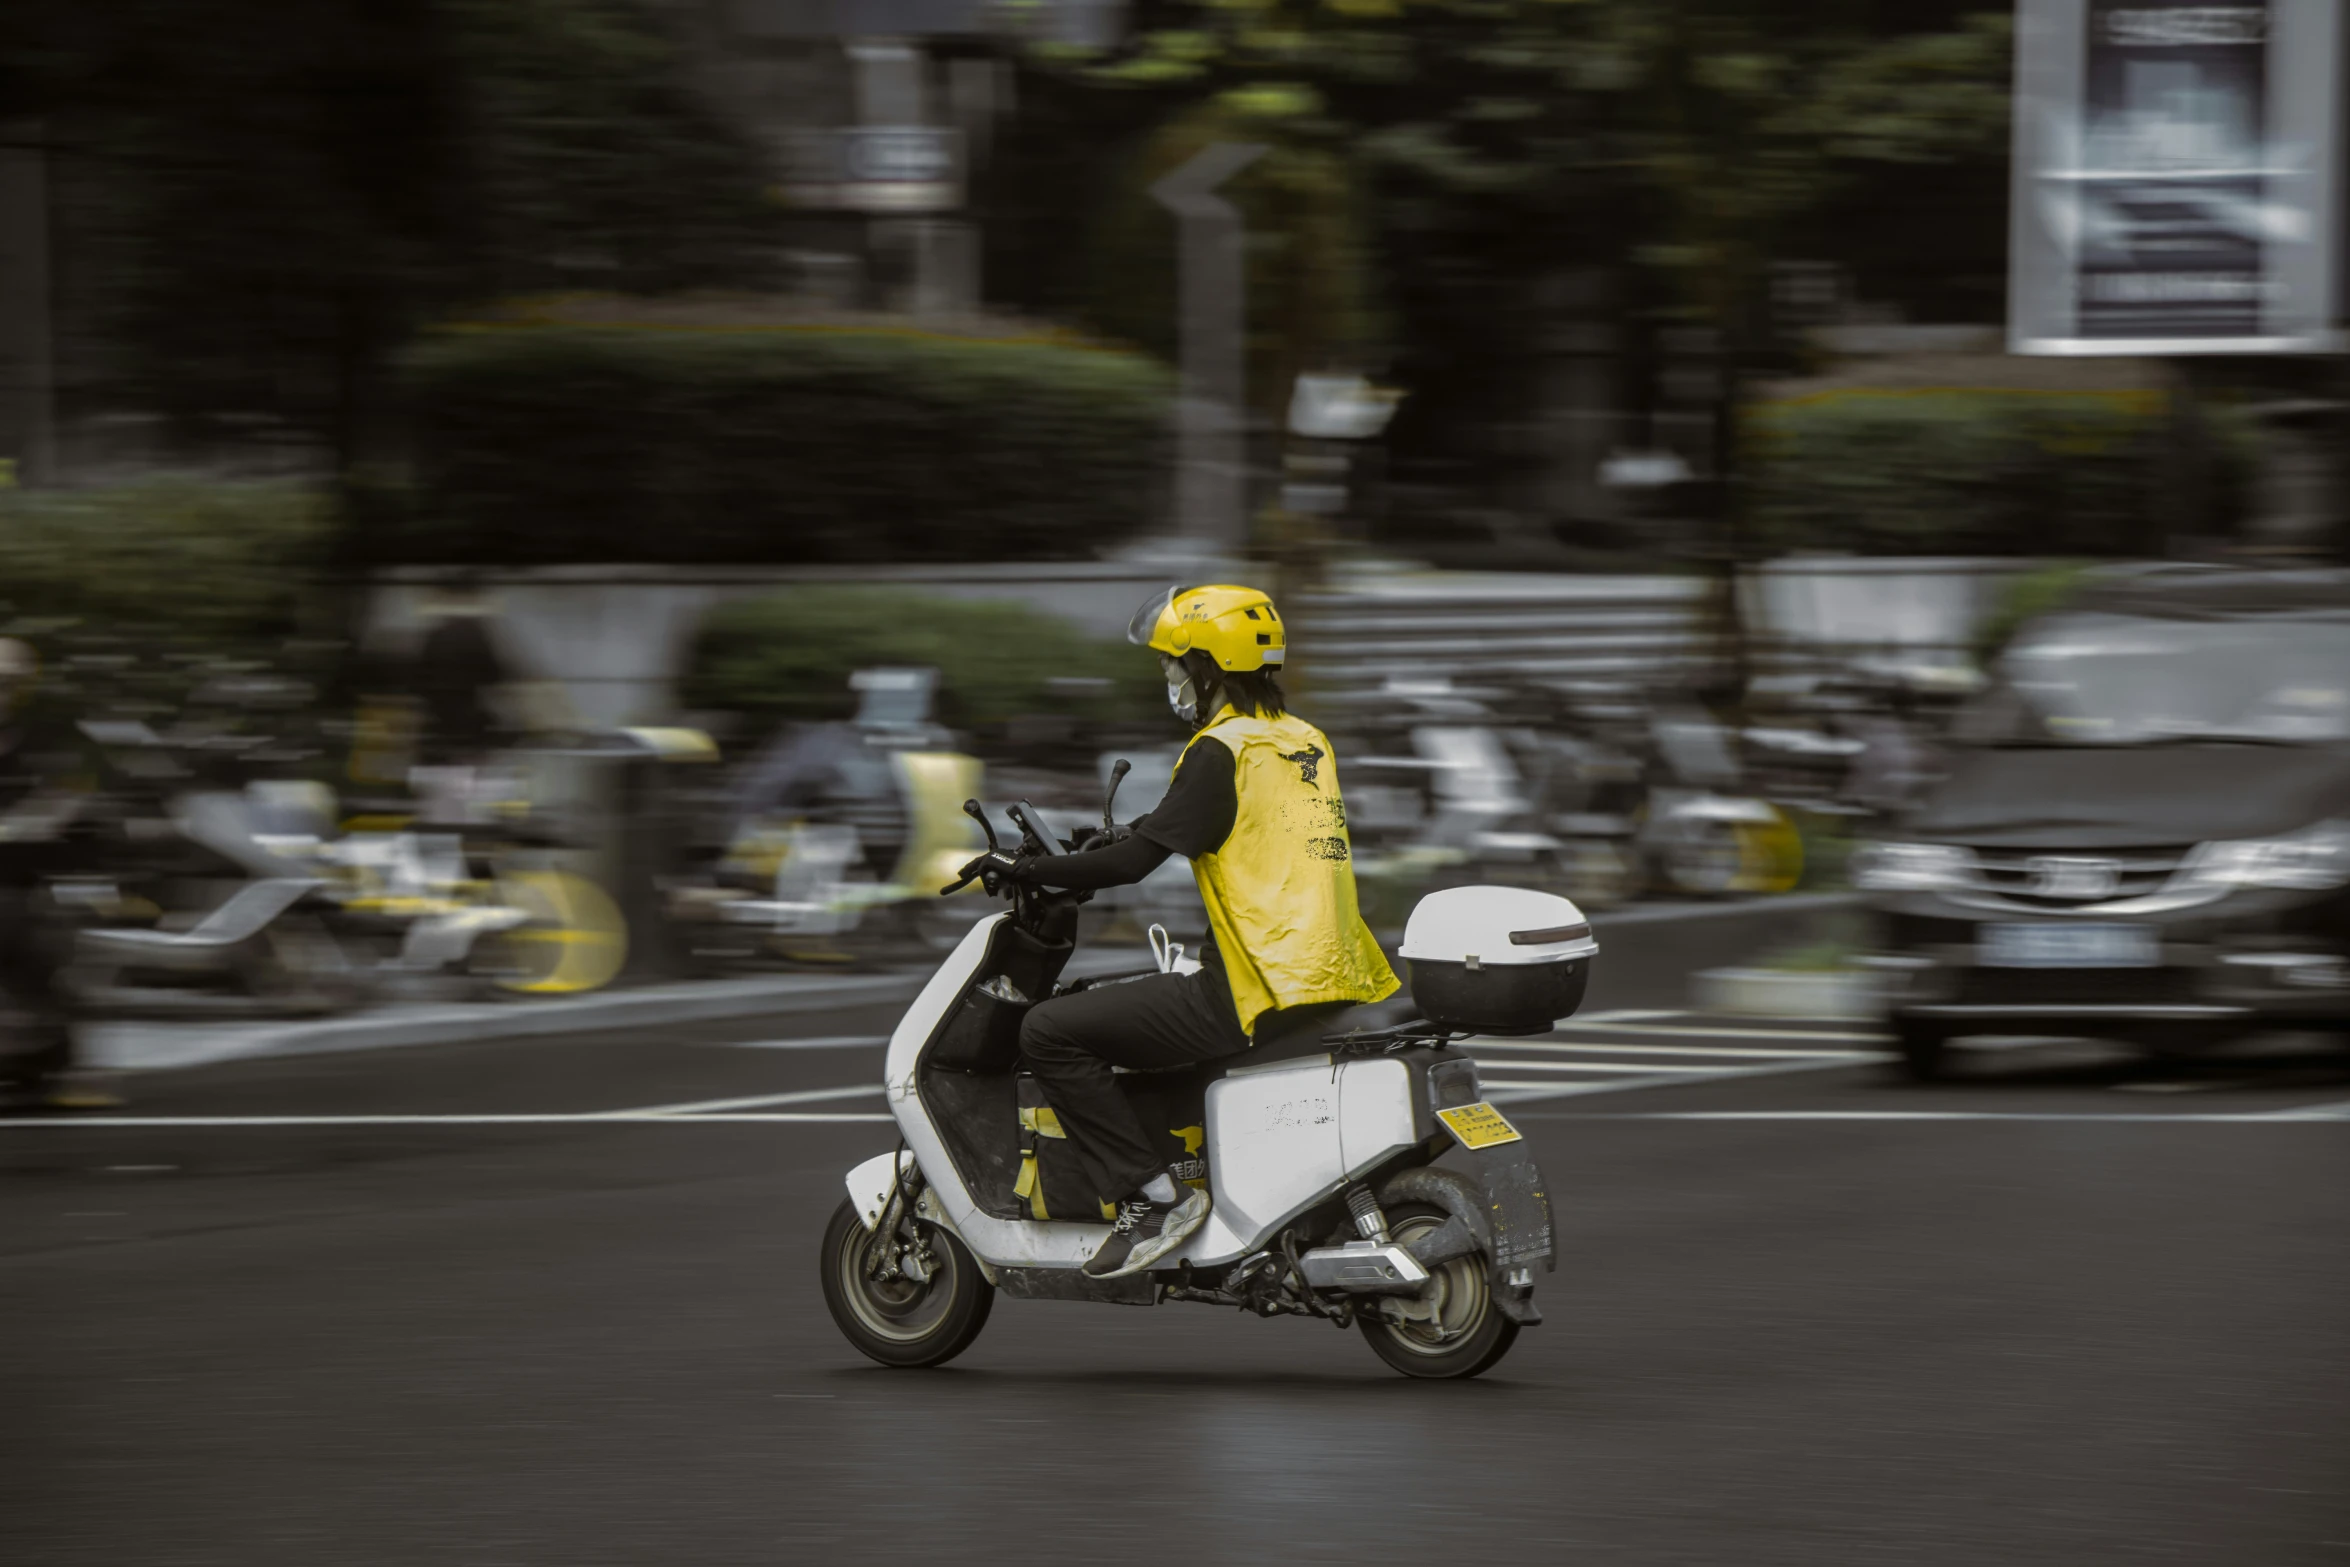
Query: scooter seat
(1300,1036)
(1292,1046)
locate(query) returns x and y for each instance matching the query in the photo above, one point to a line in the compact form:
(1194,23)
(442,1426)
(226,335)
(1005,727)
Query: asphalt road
(2070,1309)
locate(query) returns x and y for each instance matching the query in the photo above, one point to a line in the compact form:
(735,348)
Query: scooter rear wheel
(897,1321)
(1464,1332)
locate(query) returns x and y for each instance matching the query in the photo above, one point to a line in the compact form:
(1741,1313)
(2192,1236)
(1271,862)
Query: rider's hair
(1256,692)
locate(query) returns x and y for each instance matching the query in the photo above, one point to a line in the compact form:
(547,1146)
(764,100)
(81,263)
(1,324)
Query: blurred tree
(1681,135)
(284,191)
(1677,147)
(1309,277)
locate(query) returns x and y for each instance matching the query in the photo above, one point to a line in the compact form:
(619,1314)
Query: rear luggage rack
(1396,1036)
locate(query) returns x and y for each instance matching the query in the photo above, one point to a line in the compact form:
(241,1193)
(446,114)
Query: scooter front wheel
(1458,1329)
(898,1320)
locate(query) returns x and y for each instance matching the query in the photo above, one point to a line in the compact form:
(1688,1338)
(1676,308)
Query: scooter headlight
(2314,859)
(1911,867)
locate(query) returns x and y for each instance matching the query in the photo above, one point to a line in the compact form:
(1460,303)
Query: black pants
(1152,1023)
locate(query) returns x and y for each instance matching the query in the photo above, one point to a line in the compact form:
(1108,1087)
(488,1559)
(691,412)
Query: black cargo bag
(1056,1182)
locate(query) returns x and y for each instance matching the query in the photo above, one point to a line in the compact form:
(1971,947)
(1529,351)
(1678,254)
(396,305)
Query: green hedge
(136,595)
(553,445)
(789,655)
(199,561)
(1969,473)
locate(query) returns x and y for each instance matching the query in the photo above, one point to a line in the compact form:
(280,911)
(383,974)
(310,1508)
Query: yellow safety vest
(1280,893)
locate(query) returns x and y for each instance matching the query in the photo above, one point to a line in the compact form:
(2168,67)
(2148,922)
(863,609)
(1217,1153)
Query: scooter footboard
(1500,1207)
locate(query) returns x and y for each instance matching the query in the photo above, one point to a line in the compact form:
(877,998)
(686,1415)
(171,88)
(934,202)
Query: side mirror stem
(1118,774)
(978,813)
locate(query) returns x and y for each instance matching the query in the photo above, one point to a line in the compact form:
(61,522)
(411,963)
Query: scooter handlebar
(992,870)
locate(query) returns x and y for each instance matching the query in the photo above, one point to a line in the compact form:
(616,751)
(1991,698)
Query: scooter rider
(1254,805)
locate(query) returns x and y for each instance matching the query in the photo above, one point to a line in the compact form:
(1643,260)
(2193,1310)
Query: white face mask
(1182,694)
(1183,697)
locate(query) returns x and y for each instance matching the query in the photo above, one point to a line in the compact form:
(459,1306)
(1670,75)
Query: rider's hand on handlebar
(991,870)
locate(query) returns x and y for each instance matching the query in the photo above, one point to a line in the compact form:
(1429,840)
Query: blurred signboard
(2178,177)
(875,168)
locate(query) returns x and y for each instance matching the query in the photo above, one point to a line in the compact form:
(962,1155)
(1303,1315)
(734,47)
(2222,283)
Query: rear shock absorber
(1370,1223)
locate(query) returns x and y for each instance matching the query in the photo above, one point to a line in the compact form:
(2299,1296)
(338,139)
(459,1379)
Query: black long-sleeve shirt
(1195,817)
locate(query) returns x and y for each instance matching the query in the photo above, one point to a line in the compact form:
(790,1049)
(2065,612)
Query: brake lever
(987,871)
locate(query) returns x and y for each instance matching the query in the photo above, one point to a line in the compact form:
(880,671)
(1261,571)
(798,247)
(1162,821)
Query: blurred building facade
(873,114)
(27,402)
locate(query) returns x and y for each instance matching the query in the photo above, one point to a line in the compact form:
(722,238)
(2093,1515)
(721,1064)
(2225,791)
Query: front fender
(869,1184)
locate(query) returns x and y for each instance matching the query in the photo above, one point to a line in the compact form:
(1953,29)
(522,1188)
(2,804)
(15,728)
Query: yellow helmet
(1235,626)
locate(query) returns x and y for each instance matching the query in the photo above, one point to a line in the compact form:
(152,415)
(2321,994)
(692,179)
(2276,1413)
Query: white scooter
(1320,1151)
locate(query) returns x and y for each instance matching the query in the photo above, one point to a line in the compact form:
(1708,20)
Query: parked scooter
(1470,787)
(1706,835)
(206,897)
(162,838)
(841,830)
(1319,1150)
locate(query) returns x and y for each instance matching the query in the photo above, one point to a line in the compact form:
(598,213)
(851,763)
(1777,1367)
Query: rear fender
(1498,1207)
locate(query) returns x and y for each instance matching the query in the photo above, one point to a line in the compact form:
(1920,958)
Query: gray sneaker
(1145,1232)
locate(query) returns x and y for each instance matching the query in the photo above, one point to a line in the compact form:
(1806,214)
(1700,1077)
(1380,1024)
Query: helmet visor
(1146,619)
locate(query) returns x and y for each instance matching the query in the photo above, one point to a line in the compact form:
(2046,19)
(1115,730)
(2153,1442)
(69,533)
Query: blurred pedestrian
(38,803)
(458,676)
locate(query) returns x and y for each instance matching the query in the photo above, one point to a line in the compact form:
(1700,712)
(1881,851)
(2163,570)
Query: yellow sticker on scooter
(1478,1125)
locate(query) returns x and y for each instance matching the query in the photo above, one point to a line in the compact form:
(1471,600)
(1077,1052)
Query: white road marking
(1481,1047)
(1623,1015)
(583,1118)
(2139,1118)
(2327,1112)
(1627,1068)
(832,1042)
(1665,1079)
(757,1101)
(1713,1031)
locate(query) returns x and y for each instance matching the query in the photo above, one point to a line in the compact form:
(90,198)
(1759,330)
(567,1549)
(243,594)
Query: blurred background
(523,521)
(539,496)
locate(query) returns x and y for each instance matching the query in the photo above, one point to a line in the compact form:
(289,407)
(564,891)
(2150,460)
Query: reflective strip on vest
(1280,892)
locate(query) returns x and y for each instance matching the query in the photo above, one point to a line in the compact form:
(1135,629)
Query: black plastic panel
(1136,1289)
(1499,998)
(982,1032)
